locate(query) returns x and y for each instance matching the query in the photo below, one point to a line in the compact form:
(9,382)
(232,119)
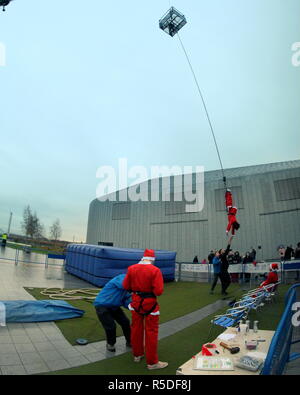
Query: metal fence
(22,256)
(286,335)
(244,272)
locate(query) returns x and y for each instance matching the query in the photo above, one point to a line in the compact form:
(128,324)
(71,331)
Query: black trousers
(108,318)
(215,280)
(225,281)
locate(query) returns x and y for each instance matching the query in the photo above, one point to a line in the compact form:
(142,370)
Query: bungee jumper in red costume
(233,224)
(145,281)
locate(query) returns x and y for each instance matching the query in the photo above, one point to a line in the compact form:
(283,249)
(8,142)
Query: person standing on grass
(145,281)
(217,269)
(108,308)
(224,275)
(4,239)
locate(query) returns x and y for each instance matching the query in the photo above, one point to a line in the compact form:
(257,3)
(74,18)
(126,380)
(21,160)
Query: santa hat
(274,266)
(149,255)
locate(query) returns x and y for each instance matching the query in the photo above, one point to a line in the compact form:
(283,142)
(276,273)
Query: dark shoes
(110,347)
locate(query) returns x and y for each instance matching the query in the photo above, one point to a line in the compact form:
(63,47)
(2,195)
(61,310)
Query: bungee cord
(171,23)
(204,105)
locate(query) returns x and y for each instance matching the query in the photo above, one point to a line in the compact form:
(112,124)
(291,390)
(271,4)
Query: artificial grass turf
(178,348)
(178,299)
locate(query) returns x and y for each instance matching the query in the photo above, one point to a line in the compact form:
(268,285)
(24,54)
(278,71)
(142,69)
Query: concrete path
(41,347)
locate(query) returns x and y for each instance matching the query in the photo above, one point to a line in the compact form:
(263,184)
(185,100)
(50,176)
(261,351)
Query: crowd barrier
(194,271)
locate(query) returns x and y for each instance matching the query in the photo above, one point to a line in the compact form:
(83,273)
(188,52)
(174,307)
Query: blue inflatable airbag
(98,264)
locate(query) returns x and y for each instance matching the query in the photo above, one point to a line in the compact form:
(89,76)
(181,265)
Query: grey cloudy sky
(87,83)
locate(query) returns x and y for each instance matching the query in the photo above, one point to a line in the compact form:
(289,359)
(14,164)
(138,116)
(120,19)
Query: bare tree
(55,230)
(31,224)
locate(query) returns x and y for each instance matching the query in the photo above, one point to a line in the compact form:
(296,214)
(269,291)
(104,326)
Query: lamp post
(9,223)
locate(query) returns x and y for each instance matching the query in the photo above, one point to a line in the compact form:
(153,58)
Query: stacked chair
(252,300)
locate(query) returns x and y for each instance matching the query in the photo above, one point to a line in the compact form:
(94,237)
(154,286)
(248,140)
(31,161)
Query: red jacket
(232,211)
(144,277)
(271,279)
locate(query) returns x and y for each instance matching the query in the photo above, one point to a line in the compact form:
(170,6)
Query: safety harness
(143,296)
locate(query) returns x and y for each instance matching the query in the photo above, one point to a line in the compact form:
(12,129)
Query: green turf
(178,299)
(178,348)
(38,250)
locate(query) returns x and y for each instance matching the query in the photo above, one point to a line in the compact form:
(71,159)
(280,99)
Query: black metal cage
(172,22)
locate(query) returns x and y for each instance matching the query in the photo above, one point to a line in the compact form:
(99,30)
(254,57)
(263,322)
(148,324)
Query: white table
(238,341)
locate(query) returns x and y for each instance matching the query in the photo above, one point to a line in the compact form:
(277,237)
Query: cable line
(205,107)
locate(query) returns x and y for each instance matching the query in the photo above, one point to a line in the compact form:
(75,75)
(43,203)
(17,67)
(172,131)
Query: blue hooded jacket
(113,295)
(216,265)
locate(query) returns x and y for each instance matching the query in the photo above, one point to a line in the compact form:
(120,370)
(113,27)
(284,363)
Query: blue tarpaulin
(39,310)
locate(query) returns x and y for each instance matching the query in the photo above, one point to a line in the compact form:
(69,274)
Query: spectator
(230,257)
(224,275)
(272,277)
(253,254)
(297,256)
(204,262)
(217,269)
(237,258)
(289,252)
(195,260)
(247,259)
(297,252)
(211,256)
(281,251)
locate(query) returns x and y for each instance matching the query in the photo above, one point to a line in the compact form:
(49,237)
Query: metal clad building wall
(270,216)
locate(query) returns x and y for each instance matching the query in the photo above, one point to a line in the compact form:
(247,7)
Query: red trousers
(228,199)
(144,336)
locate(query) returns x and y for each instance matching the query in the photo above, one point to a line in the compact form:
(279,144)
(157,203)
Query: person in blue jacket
(108,308)
(217,270)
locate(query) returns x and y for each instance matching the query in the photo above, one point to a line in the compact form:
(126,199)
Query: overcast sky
(87,83)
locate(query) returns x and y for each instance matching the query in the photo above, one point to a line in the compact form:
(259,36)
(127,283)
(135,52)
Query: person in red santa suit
(272,277)
(233,225)
(145,281)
